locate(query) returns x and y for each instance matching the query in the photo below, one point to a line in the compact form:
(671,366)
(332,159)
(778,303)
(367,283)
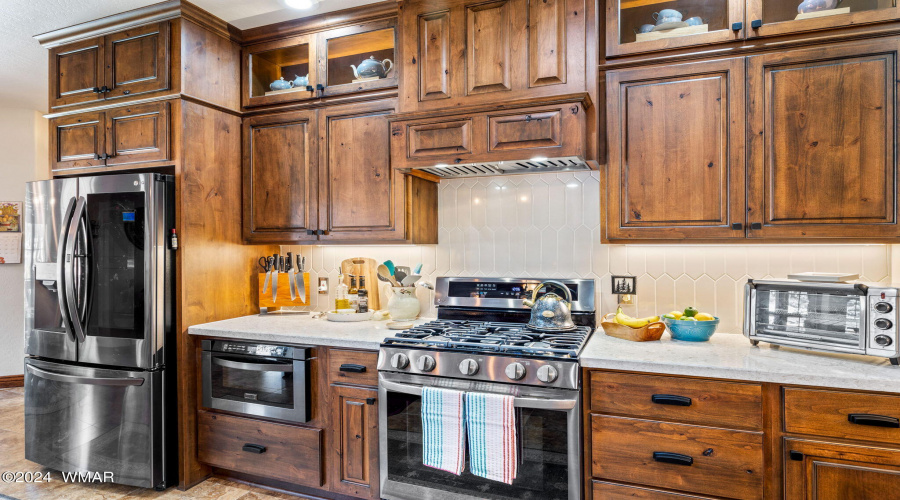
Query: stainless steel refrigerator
(99,345)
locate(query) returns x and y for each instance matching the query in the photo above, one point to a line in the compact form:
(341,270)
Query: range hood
(485,169)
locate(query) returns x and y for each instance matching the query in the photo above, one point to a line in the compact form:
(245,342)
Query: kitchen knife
(301,285)
(275,269)
(266,264)
(288,268)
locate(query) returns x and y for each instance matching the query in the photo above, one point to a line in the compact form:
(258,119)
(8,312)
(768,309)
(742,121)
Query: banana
(624,319)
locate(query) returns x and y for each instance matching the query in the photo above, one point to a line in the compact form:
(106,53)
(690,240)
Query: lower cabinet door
(265,449)
(688,458)
(355,441)
(825,471)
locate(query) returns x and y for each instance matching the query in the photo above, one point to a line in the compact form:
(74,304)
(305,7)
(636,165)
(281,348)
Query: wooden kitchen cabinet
(816,470)
(823,142)
(470,52)
(777,17)
(334,183)
(355,441)
(78,141)
(123,64)
(676,151)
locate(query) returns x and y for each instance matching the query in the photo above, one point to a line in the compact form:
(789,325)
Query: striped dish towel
(443,430)
(491,422)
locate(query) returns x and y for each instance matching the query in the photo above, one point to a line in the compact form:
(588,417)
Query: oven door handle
(518,402)
(256,367)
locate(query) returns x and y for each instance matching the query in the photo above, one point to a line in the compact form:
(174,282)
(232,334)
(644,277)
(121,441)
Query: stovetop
(513,339)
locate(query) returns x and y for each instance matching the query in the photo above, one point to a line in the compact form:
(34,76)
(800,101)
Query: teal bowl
(691,331)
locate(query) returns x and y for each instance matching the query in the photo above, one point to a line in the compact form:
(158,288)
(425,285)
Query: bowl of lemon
(691,325)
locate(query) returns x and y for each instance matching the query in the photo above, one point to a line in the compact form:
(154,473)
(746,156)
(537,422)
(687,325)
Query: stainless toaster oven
(837,317)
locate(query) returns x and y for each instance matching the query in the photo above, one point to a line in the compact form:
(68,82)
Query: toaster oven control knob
(883,324)
(468,367)
(425,363)
(547,374)
(399,361)
(515,371)
(883,307)
(883,340)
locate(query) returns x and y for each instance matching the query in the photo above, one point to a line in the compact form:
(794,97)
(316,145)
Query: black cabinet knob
(756,225)
(737,226)
(756,24)
(371,401)
(737,26)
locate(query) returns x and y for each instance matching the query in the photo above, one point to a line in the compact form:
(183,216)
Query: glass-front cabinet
(357,58)
(635,26)
(778,17)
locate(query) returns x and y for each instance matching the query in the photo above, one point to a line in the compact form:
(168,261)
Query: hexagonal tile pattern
(549,225)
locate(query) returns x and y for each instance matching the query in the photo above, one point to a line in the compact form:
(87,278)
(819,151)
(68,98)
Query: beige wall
(548,225)
(23,158)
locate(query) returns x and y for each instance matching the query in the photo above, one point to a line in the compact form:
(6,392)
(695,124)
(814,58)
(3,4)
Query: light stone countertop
(300,329)
(731,356)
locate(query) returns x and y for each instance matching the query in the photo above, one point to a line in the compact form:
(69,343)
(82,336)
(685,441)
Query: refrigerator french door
(98,389)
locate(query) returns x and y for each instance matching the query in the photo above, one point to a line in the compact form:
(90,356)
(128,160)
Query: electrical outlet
(323,286)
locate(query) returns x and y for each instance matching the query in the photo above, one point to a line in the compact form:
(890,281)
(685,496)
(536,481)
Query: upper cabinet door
(489,47)
(78,141)
(823,142)
(672,177)
(630,24)
(280,178)
(358,58)
(138,133)
(778,17)
(137,60)
(361,197)
(77,72)
(280,71)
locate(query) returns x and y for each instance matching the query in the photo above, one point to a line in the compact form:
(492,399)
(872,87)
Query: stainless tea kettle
(550,313)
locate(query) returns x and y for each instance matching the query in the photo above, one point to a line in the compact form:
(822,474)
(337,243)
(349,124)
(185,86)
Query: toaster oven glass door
(811,316)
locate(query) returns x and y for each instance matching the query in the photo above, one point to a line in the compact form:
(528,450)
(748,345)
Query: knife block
(284,292)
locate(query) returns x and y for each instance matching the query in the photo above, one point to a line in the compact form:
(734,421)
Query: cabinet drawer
(288,453)
(353,367)
(829,413)
(721,404)
(525,131)
(612,491)
(444,138)
(723,462)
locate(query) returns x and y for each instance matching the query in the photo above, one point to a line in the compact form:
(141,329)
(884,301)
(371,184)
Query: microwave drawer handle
(519,402)
(670,399)
(672,458)
(353,368)
(256,367)
(254,448)
(873,420)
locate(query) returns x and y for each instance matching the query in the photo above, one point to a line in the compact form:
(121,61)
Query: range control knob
(515,371)
(468,367)
(547,374)
(884,307)
(883,324)
(425,363)
(883,340)
(399,361)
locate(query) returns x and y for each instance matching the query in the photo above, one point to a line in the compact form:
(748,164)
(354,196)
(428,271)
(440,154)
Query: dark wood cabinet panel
(77,72)
(488,46)
(435,69)
(525,131)
(280,177)
(355,439)
(137,60)
(440,138)
(546,42)
(827,413)
(824,471)
(138,133)
(290,453)
(344,367)
(78,141)
(671,177)
(603,490)
(823,151)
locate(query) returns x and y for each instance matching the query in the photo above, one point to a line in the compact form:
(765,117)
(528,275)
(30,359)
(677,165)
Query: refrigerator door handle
(85,269)
(61,287)
(69,266)
(76,379)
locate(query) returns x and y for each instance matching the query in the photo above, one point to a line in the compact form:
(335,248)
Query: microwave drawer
(264,449)
(693,401)
(702,460)
(847,415)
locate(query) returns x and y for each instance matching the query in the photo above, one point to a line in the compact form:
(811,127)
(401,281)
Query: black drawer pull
(670,399)
(352,368)
(672,458)
(873,420)
(254,448)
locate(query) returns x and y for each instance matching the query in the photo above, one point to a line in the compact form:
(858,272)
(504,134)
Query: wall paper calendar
(10,232)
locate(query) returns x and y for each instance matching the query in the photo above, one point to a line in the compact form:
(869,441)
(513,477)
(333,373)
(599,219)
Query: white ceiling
(23,62)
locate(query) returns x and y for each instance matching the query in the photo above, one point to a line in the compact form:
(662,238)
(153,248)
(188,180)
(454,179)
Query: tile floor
(12,458)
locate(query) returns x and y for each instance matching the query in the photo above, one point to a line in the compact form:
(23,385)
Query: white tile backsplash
(548,225)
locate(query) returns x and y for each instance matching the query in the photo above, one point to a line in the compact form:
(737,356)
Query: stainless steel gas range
(480,343)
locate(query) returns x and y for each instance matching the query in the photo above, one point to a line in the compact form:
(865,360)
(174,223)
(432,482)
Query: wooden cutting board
(362,266)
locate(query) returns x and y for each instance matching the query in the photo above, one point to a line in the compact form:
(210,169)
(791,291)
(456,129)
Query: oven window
(269,387)
(543,466)
(820,318)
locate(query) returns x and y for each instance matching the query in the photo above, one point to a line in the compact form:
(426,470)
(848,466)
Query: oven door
(549,440)
(256,385)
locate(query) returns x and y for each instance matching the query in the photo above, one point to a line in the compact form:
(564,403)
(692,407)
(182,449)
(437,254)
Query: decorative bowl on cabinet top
(370,68)
(281,84)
